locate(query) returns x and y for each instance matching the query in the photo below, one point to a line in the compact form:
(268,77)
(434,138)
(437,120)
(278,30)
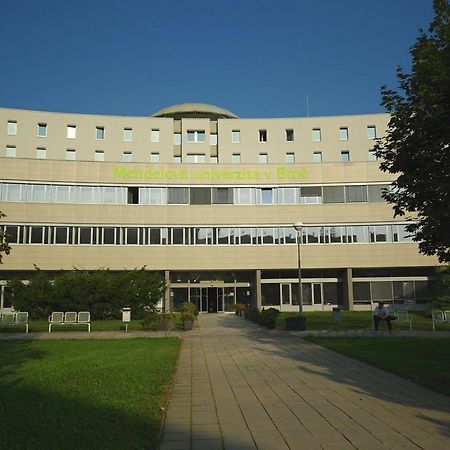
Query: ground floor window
(286,293)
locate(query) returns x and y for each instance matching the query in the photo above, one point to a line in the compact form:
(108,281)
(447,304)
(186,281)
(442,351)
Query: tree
(441,288)
(4,247)
(417,143)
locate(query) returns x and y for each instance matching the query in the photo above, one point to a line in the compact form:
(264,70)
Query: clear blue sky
(257,58)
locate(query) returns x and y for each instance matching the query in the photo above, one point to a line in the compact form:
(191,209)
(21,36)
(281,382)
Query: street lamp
(298,228)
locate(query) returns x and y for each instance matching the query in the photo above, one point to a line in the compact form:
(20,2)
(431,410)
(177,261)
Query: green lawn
(96,325)
(425,361)
(88,394)
(356,320)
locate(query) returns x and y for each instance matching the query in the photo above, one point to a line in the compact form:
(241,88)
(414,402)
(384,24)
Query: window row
(190,158)
(191,135)
(396,292)
(134,195)
(71,131)
(117,235)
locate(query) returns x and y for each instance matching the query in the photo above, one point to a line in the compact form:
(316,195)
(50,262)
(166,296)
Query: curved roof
(196,110)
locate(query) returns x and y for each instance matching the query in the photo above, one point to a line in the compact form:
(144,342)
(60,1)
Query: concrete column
(258,289)
(348,288)
(167,305)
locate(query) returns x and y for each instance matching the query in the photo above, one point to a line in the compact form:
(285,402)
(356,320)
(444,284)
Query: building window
(316,135)
(154,157)
(345,156)
(177,159)
(290,135)
(371,132)
(235,136)
(99,133)
(155,135)
(214,159)
(356,193)
(195,158)
(176,138)
(333,194)
(236,158)
(71,131)
(196,136)
(263,158)
(70,154)
(10,151)
(343,134)
(127,156)
(41,153)
(213,139)
(372,155)
(128,134)
(317,157)
(262,135)
(99,155)
(200,196)
(42,129)
(11,128)
(290,158)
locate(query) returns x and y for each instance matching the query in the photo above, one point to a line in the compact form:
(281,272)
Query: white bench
(14,319)
(403,317)
(70,318)
(438,316)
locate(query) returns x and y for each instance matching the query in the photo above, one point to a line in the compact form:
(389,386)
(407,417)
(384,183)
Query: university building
(209,200)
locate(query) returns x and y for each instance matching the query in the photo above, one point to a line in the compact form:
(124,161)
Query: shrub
(101,292)
(252,314)
(268,317)
(188,311)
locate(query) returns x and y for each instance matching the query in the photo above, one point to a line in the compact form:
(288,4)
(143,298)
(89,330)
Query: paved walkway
(239,387)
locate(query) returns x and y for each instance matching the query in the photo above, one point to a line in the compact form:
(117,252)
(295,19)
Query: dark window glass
(85,235)
(356,193)
(245,235)
(332,294)
(177,235)
(133,196)
(36,235)
(132,236)
(381,290)
(375,192)
(361,291)
(177,196)
(200,196)
(61,235)
(12,234)
(270,294)
(108,236)
(155,236)
(311,194)
(223,196)
(333,194)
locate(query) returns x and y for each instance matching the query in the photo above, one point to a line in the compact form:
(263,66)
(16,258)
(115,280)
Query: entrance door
(212,299)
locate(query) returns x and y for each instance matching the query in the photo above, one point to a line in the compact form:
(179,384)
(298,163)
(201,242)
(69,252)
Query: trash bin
(337,314)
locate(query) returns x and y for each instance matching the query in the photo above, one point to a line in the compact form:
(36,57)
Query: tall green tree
(4,247)
(417,143)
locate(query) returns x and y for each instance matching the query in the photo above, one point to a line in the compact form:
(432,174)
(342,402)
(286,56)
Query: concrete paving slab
(273,390)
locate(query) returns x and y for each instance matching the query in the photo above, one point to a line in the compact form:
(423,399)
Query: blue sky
(257,58)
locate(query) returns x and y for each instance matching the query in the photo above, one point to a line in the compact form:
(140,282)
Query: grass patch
(87,394)
(422,360)
(96,325)
(358,320)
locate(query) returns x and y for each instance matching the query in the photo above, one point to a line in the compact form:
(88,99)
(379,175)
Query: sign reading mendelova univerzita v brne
(150,173)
